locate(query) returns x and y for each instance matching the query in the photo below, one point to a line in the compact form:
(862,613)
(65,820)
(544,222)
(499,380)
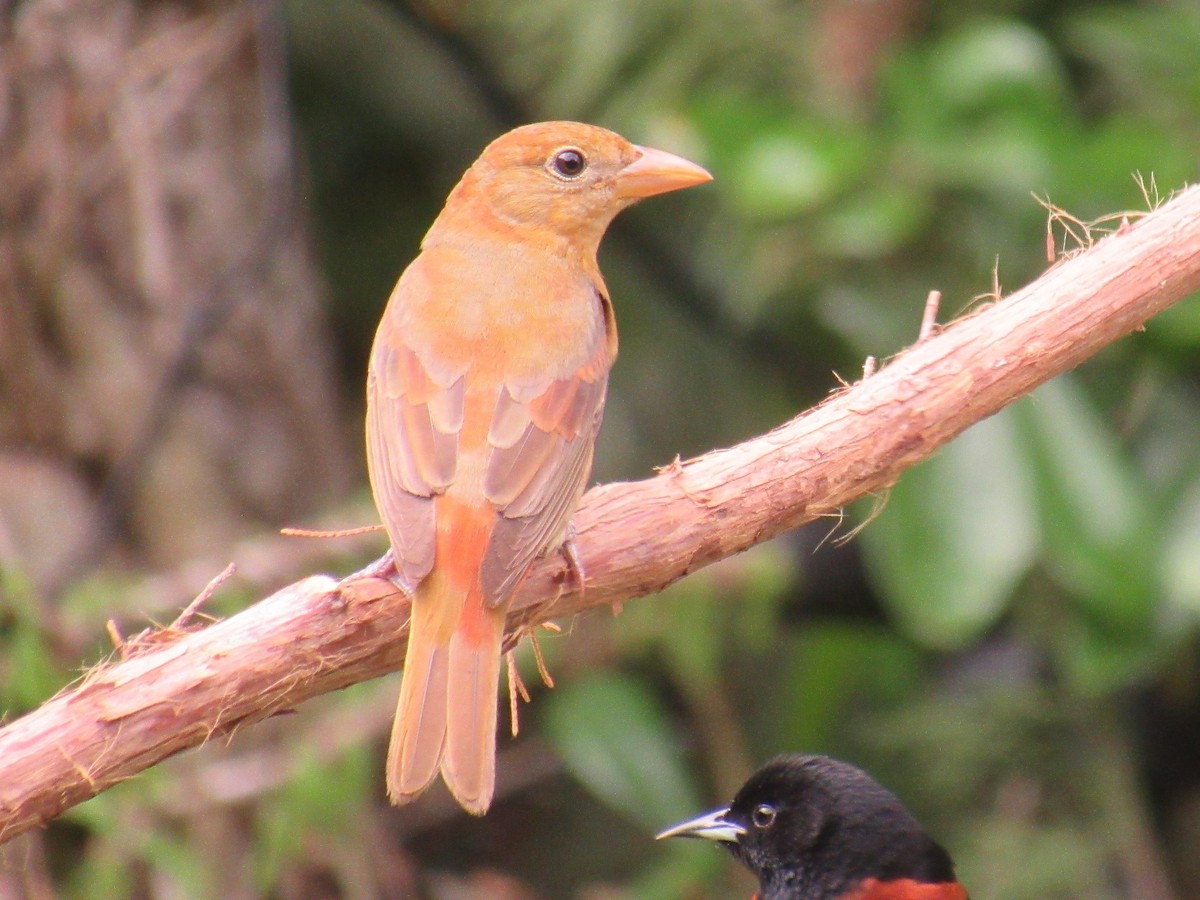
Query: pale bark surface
(178,689)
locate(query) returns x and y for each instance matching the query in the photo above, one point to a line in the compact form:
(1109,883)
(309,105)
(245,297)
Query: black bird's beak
(710,826)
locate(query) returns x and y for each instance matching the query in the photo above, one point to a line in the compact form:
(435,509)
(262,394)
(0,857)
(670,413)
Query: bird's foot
(383,568)
(570,553)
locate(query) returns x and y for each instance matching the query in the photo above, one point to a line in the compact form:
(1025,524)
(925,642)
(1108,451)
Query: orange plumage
(484,394)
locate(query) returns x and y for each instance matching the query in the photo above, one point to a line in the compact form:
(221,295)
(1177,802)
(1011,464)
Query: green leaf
(693,623)
(28,673)
(687,625)
(102,871)
(793,167)
(614,736)
(321,798)
(874,222)
(123,826)
(828,669)
(1181,554)
(1149,59)
(957,535)
(1097,519)
(1099,657)
(781,176)
(1179,326)
(995,62)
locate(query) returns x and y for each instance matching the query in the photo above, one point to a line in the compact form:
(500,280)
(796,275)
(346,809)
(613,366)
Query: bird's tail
(473,681)
(419,729)
(446,716)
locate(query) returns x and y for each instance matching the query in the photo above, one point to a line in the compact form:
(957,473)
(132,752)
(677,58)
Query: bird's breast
(502,316)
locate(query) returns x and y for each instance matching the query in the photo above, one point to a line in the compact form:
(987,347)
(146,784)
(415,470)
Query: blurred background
(203,208)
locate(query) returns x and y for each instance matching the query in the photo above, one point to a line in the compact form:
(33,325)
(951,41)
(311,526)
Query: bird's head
(820,827)
(565,179)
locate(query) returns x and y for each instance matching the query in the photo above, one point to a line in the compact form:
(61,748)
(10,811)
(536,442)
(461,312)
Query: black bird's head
(813,828)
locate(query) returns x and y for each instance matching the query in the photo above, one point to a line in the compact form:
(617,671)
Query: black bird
(813,828)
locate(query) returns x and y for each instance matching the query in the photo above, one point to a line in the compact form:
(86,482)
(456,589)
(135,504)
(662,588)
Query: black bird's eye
(568,163)
(763,815)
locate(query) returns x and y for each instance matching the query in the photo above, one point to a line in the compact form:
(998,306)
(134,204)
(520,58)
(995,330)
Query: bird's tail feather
(419,729)
(473,680)
(446,716)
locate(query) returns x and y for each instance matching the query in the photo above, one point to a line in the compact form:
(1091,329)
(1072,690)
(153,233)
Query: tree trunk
(165,379)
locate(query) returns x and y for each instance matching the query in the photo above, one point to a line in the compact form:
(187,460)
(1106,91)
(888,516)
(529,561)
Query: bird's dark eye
(569,163)
(763,815)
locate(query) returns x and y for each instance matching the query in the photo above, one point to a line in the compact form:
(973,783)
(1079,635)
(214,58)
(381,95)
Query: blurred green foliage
(1010,642)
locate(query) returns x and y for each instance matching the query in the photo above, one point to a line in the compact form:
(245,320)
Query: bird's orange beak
(657,172)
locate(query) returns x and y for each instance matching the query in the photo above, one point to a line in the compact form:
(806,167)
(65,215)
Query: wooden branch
(178,689)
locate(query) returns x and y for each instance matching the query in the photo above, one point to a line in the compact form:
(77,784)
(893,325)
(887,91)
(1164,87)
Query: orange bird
(484,395)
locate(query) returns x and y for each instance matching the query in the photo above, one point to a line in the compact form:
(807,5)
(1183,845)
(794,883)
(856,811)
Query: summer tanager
(484,394)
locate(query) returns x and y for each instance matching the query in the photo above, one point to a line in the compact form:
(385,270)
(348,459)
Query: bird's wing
(413,421)
(541,441)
